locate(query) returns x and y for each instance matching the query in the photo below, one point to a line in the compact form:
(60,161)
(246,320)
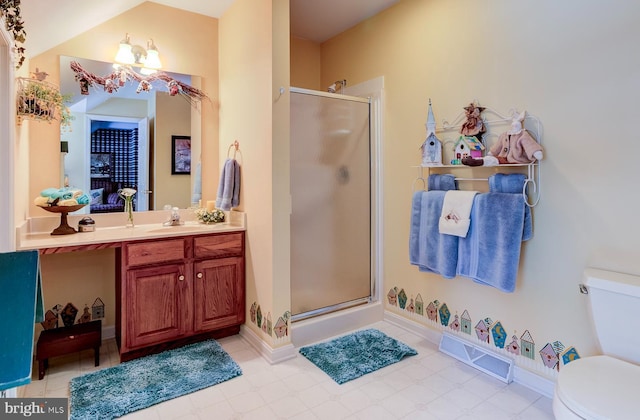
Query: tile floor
(430,385)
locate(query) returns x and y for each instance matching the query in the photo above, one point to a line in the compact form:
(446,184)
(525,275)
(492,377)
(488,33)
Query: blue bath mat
(141,383)
(354,355)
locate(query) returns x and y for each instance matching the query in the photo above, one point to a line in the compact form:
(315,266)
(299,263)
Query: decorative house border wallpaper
(552,355)
(278,331)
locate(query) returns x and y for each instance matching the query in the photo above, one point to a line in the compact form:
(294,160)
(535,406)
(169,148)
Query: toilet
(605,386)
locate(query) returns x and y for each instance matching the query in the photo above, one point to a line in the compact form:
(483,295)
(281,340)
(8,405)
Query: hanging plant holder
(40,100)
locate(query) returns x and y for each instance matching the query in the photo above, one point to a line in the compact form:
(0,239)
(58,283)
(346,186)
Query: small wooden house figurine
(482,331)
(455,325)
(68,314)
(432,311)
(465,322)
(432,146)
(445,314)
(402,299)
(392,297)
(467,146)
(549,357)
(86,316)
(514,347)
(527,346)
(50,320)
(280,328)
(97,309)
(499,335)
(419,305)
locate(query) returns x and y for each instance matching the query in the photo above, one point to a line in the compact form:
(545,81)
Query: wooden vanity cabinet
(178,290)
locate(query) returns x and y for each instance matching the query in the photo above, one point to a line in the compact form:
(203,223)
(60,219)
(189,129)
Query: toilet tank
(615,309)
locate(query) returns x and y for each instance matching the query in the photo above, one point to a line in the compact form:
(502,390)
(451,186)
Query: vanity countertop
(35,233)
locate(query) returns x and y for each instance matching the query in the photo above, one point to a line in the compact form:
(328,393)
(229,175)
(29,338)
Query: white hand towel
(456,210)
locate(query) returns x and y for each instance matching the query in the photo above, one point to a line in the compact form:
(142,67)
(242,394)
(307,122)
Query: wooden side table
(65,340)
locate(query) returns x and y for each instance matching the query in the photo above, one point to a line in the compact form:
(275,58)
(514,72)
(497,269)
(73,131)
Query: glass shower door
(331,202)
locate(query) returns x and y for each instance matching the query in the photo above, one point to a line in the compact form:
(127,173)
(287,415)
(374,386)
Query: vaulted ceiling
(316,20)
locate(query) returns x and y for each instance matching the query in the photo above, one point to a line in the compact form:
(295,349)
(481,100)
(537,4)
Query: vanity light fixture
(148,59)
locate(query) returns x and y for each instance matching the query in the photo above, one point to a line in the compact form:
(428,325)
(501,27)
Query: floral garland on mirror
(121,75)
(10,10)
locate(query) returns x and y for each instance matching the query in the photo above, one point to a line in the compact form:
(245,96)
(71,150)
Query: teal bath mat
(141,383)
(354,355)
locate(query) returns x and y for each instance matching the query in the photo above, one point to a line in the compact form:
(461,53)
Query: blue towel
(48,192)
(21,306)
(513,183)
(507,183)
(443,182)
(490,254)
(229,187)
(428,249)
(83,199)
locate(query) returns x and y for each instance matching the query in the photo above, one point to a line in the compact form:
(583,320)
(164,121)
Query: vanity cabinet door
(157,304)
(218,293)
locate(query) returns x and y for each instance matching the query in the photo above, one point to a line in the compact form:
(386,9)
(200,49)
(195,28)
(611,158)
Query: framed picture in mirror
(180,155)
(101,165)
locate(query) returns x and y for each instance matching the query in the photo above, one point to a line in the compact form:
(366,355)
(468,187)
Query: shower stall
(331,228)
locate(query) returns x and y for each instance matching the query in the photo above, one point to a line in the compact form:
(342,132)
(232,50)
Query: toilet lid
(600,387)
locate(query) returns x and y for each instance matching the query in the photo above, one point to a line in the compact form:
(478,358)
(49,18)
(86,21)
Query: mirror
(124,139)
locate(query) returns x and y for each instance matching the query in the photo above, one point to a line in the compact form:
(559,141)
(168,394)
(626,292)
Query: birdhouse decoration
(392,297)
(432,146)
(549,356)
(570,355)
(419,305)
(527,345)
(402,299)
(280,329)
(514,347)
(445,314)
(68,314)
(432,311)
(467,146)
(499,335)
(86,315)
(465,322)
(482,330)
(455,325)
(97,309)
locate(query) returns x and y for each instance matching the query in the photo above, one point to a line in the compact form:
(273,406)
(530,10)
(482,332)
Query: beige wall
(245,115)
(571,64)
(305,63)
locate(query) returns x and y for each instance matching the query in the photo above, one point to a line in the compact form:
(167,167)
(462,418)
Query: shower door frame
(375,203)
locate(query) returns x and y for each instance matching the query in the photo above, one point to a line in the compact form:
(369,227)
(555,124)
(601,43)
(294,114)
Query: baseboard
(521,376)
(270,354)
(108,332)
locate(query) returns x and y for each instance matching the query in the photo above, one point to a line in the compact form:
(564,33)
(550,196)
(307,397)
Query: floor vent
(498,366)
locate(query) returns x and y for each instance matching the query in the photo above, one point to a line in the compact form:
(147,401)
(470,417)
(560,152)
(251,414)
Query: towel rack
(236,146)
(532,181)
(531,190)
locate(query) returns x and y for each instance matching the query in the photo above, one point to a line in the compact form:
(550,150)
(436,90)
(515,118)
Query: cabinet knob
(199,275)
(181,277)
